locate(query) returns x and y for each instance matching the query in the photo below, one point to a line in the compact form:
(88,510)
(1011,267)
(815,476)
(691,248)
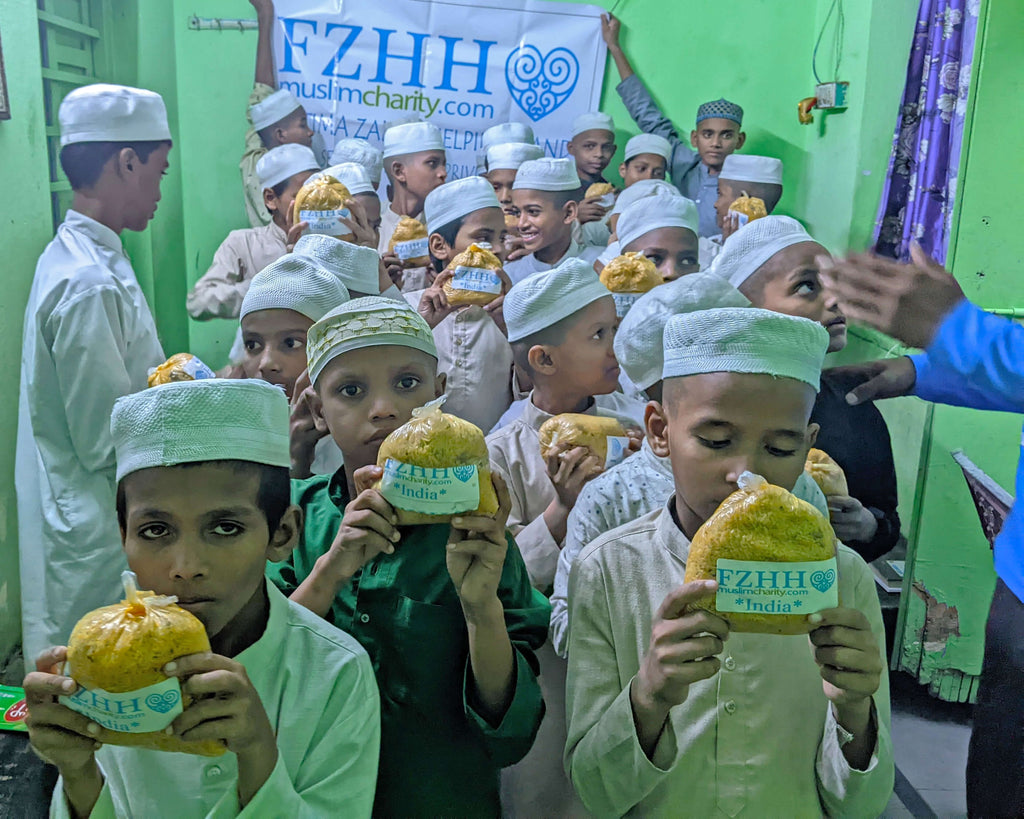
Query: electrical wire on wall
(837,44)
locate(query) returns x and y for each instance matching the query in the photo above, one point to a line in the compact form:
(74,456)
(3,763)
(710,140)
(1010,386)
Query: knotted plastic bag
(436,466)
(773,555)
(179,367)
(749,208)
(116,654)
(826,473)
(409,243)
(474,280)
(603,436)
(320,202)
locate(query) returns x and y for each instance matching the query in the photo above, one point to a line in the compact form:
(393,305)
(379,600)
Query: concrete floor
(930,743)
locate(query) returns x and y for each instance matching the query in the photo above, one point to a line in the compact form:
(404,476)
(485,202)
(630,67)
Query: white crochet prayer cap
(412,138)
(112,113)
(294,283)
(545,298)
(283,162)
(273,109)
(639,342)
(547,174)
(455,199)
(507,132)
(509,156)
(373,321)
(353,176)
(592,121)
(356,266)
(745,340)
(212,419)
(645,187)
(652,212)
(647,144)
(754,244)
(750,168)
(362,153)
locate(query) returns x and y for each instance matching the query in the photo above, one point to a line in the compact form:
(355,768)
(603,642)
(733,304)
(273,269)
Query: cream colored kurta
(757,739)
(243,254)
(515,453)
(318,688)
(88,339)
(254,150)
(477,358)
(528,265)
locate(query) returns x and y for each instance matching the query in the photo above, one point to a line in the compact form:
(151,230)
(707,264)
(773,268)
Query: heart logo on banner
(540,83)
(162,704)
(823,581)
(464,473)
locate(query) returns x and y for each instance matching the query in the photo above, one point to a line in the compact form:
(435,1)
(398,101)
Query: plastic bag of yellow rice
(436,466)
(773,555)
(116,654)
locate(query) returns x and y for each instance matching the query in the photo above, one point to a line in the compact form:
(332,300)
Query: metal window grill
(69,32)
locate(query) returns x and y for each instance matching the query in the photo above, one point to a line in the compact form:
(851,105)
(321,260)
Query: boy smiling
(198,523)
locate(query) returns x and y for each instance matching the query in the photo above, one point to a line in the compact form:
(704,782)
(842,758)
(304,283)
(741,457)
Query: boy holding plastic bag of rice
(224,661)
(444,609)
(672,702)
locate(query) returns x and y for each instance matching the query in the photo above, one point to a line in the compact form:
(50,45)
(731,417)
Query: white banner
(463,65)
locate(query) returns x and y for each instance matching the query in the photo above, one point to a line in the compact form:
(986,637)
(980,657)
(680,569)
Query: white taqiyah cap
(652,212)
(749,168)
(294,283)
(745,340)
(592,121)
(545,298)
(353,176)
(639,343)
(412,138)
(210,419)
(112,113)
(356,266)
(374,321)
(283,162)
(647,144)
(547,174)
(754,244)
(362,153)
(455,199)
(273,109)
(645,187)
(509,156)
(507,132)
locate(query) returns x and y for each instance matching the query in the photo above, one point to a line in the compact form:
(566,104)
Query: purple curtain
(920,188)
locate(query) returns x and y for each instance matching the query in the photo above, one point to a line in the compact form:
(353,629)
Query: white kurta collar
(98,232)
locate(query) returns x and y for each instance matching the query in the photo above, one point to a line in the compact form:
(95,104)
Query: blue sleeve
(976,360)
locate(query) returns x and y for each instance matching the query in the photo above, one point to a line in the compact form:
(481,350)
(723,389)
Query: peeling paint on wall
(941,621)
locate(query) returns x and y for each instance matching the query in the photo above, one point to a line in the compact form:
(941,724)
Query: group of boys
(375,667)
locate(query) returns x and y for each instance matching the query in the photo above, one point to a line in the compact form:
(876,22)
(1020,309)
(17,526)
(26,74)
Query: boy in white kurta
(472,348)
(545,193)
(219,292)
(643,483)
(667,708)
(414,161)
(292,699)
(89,338)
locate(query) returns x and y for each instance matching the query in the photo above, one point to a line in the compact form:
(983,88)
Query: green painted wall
(953,560)
(26,227)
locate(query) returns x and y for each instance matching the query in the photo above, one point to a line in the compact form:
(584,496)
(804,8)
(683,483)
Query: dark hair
(627,161)
(768,192)
(447,232)
(656,391)
(553,335)
(562,198)
(273,497)
(83,162)
(281,187)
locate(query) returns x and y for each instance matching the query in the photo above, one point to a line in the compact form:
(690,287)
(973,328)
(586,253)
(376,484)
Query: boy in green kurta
(446,612)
